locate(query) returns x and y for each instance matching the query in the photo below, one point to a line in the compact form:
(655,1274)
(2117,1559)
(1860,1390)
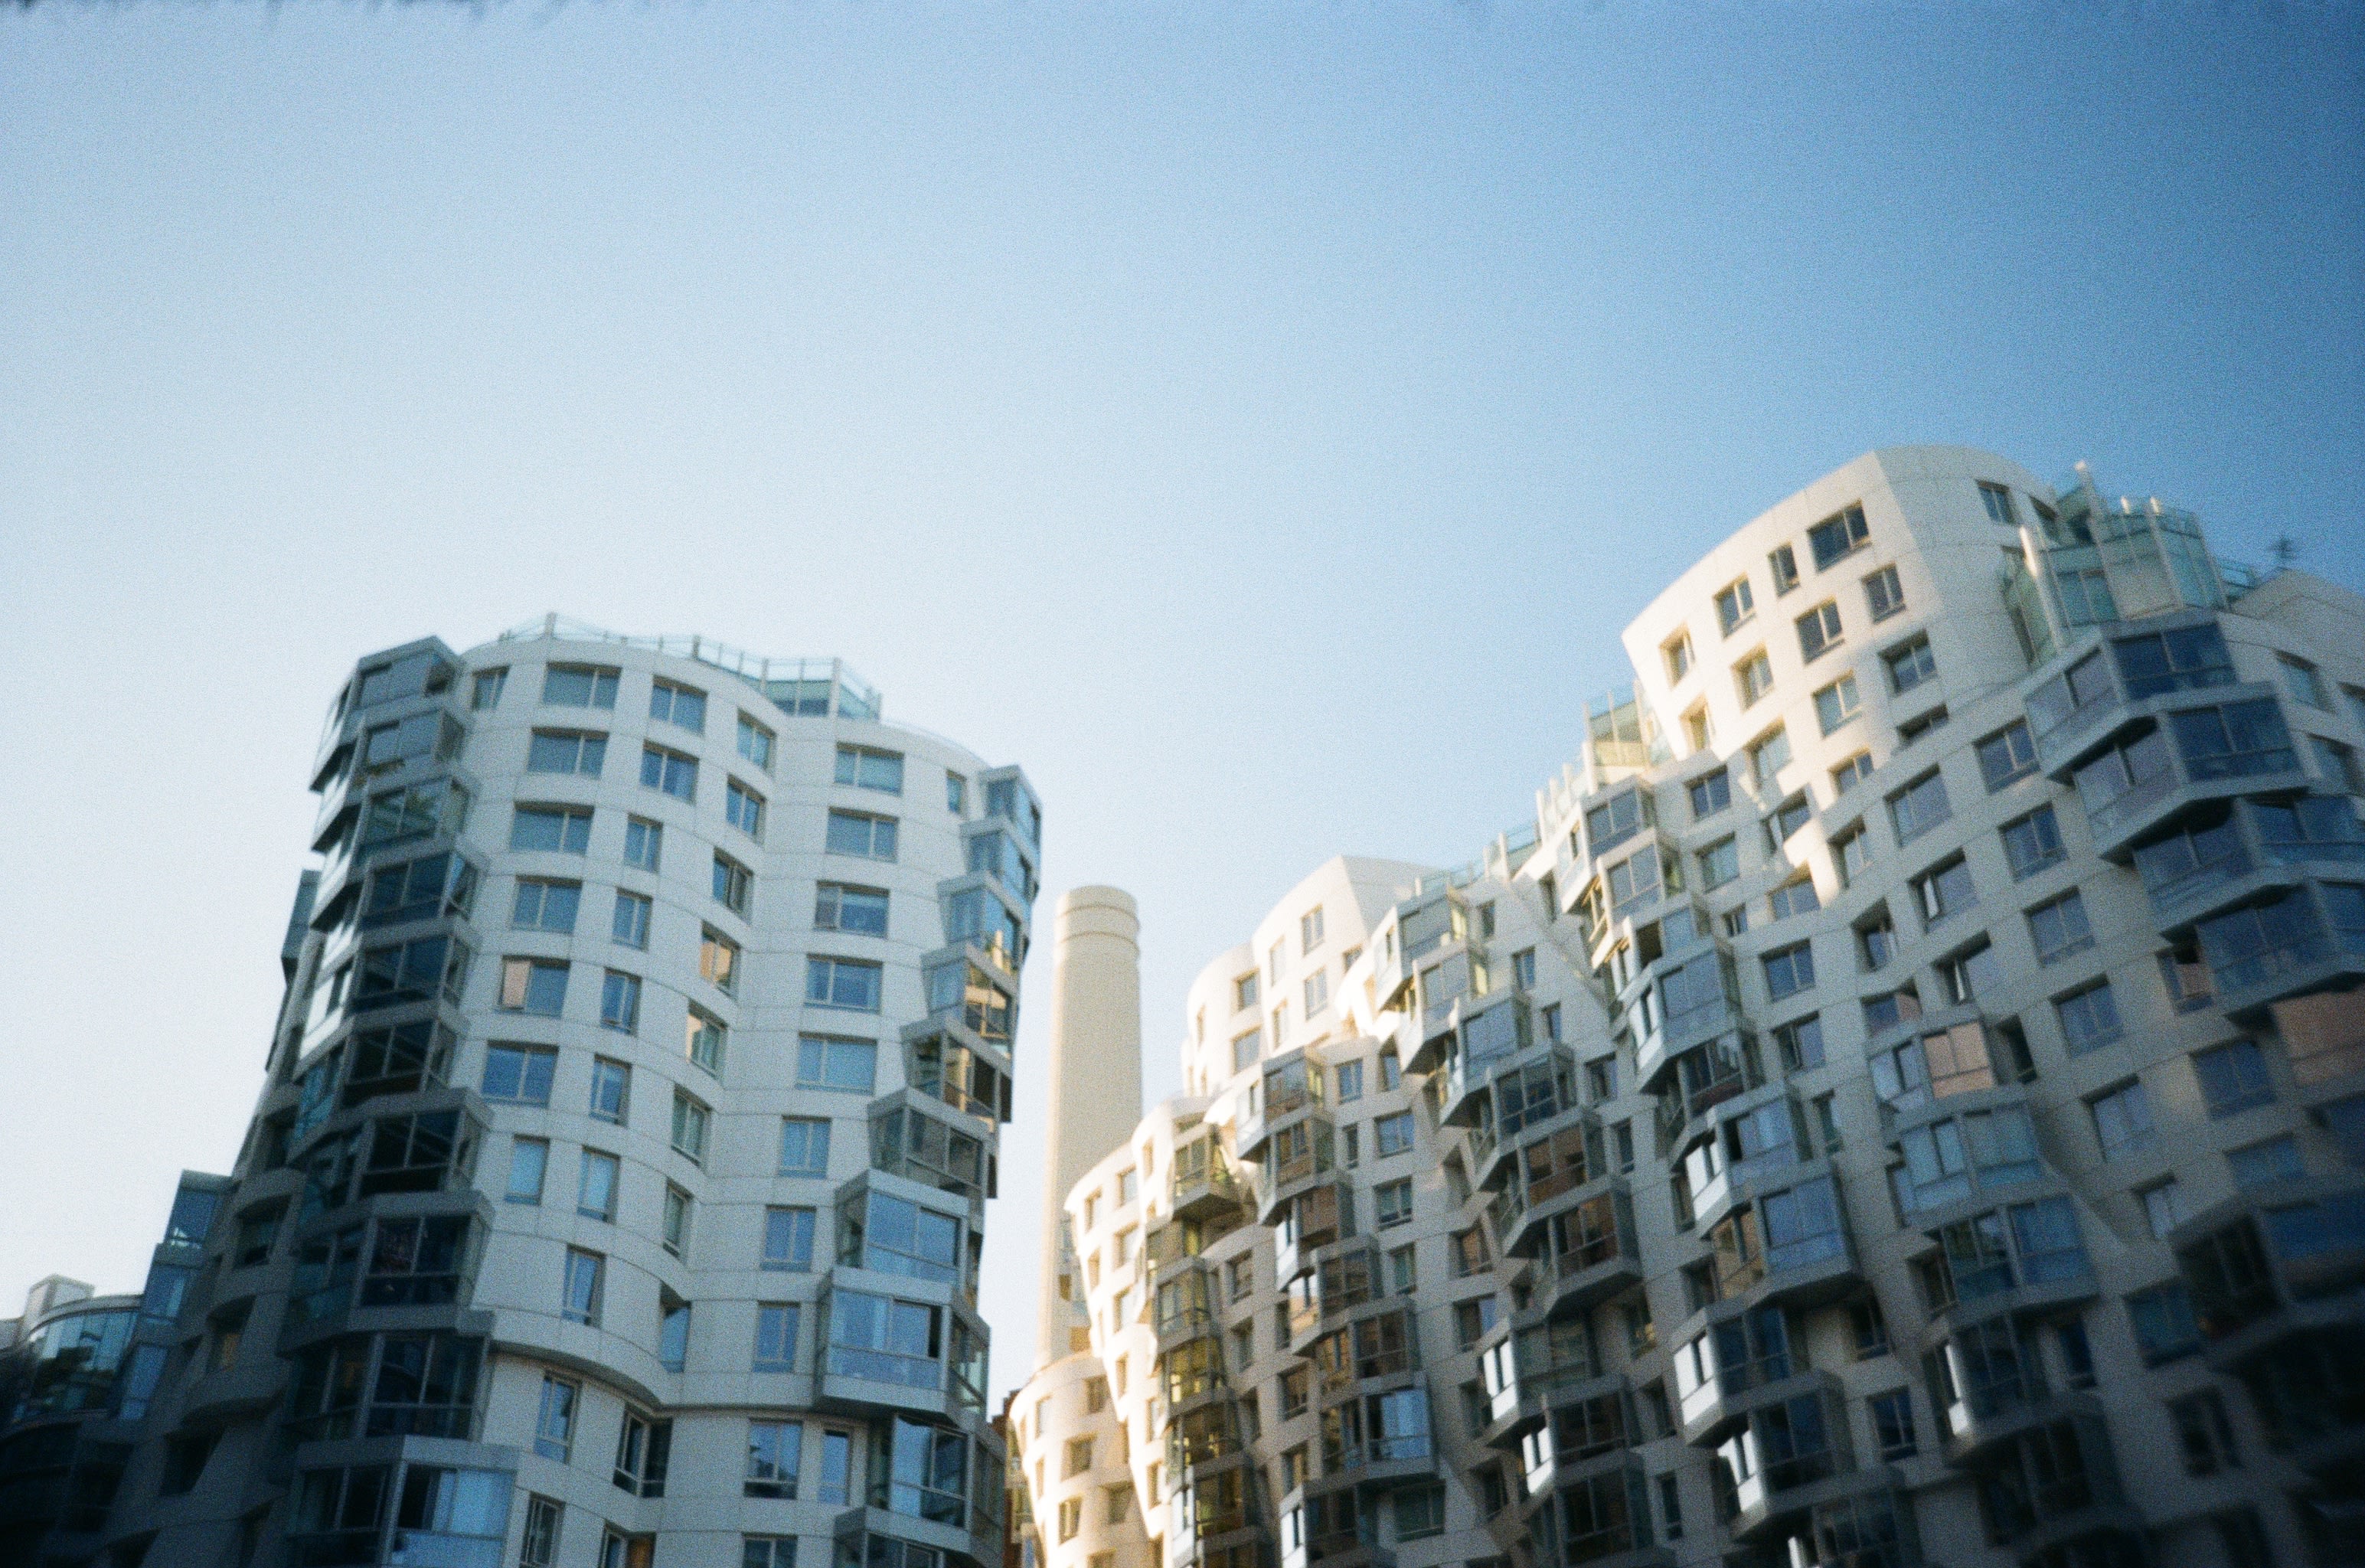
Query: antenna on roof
(2285,550)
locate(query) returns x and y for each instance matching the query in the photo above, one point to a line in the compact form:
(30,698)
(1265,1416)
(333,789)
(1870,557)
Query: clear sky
(1256,420)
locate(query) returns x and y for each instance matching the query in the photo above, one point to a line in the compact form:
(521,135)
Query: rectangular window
(1317,991)
(1245,1049)
(1851,773)
(956,793)
(1998,501)
(1309,930)
(1752,677)
(2089,1017)
(1892,1424)
(566,751)
(859,833)
(611,1085)
(804,1146)
(2032,842)
(1883,596)
(1909,666)
(843,982)
(2007,755)
(832,1062)
(2164,1207)
(1796,896)
(1920,806)
(630,924)
(1720,863)
(2162,1319)
(669,772)
(756,743)
(595,1185)
(704,1039)
(619,1002)
(579,1286)
(682,705)
(643,1447)
(545,905)
(2059,928)
(1837,703)
(775,1337)
(1524,968)
(718,961)
(1818,630)
(1393,1134)
(1851,853)
(866,769)
(788,1240)
(675,1235)
(1789,970)
(839,906)
(529,1163)
(2263,1164)
(556,830)
(520,1075)
(2203,1433)
(1394,1202)
(691,1120)
(734,885)
(1837,536)
(1349,1076)
(534,985)
(2233,1077)
(643,841)
(1734,605)
(579,686)
(1710,793)
(1677,653)
(1768,754)
(2235,741)
(1786,570)
(2123,1122)
(775,1455)
(1944,890)
(1801,1043)
(553,1427)
(2304,682)
(744,808)
(485,691)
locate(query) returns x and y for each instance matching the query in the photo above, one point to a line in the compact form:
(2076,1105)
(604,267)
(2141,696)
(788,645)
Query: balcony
(1291,1090)
(1483,1040)
(1378,1347)
(2289,944)
(2235,743)
(1588,1254)
(1680,1005)
(1789,1246)
(1313,1219)
(1297,1158)
(1379,1440)
(1342,1277)
(2050,1486)
(1699,1081)
(1558,1168)
(2260,1268)
(1788,1455)
(1202,1183)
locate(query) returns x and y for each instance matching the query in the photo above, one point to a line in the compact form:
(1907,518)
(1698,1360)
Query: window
(718,961)
(838,906)
(1393,1200)
(1734,605)
(643,841)
(643,1447)
(566,751)
(2162,1319)
(528,1160)
(485,691)
(579,1287)
(755,743)
(1971,973)
(1078,1458)
(1419,1511)
(2262,1164)
(2089,1017)
(859,833)
(1892,1424)
(691,1120)
(744,808)
(1818,630)
(579,686)
(675,1235)
(630,924)
(1883,596)
(1349,1076)
(1710,793)
(1786,570)
(775,1337)
(704,1038)
(866,769)
(1677,652)
(553,1427)
(1768,754)
(1789,970)
(1848,774)
(558,830)
(1921,724)
(833,1062)
(1393,1134)
(1788,818)
(611,1083)
(2007,755)
(734,885)
(1796,896)
(2032,842)
(2123,1120)
(682,705)
(670,771)
(595,1186)
(2059,928)
(1875,938)
(1835,704)
(1851,853)
(2304,682)
(520,1075)
(2164,1207)
(2236,740)
(851,983)
(534,985)
(1753,678)
(2233,1077)
(1827,1122)
(1699,731)
(2203,1433)
(1836,536)
(1309,931)
(1245,1049)
(1801,1043)
(1317,991)
(1909,665)
(1391,1071)
(956,793)
(1244,993)
(1552,1032)
(1720,863)
(788,1240)
(619,1002)
(804,1146)
(1998,501)
(1920,806)
(775,1454)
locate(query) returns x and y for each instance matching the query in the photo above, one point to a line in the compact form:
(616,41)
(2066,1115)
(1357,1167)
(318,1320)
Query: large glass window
(1837,536)
(881,1340)
(867,768)
(566,751)
(832,1061)
(563,830)
(843,982)
(2187,658)
(893,1236)
(579,686)
(682,705)
(839,906)
(859,833)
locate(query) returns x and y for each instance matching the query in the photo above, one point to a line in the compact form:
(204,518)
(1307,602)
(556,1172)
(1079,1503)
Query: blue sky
(1256,421)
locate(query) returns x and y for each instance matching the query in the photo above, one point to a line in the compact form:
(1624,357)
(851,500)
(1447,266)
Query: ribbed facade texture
(617,1195)
(1902,1102)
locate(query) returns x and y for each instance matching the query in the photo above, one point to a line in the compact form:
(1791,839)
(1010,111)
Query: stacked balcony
(1529,1373)
(2264,1272)
(1202,1183)
(1339,1279)
(1599,1518)
(1785,1245)
(2050,1493)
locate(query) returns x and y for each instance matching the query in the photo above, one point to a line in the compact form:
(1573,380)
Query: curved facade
(1901,1102)
(618,1193)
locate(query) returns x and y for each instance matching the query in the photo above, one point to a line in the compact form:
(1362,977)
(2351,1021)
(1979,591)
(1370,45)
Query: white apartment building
(616,1196)
(1901,1103)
